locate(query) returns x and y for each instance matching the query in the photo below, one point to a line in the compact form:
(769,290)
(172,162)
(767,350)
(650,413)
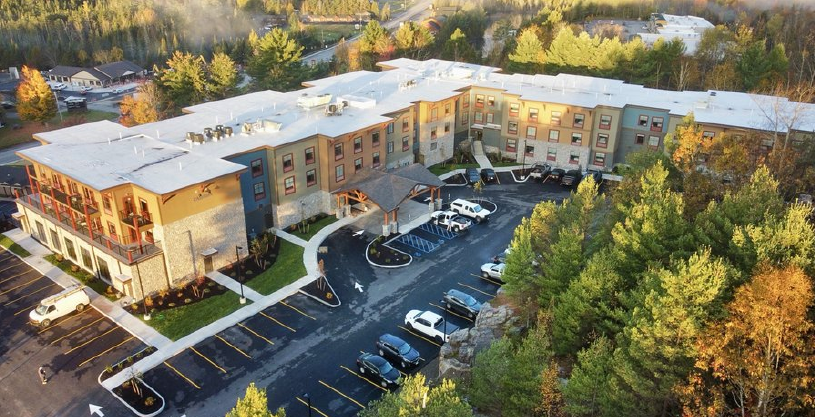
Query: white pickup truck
(430,324)
(450,220)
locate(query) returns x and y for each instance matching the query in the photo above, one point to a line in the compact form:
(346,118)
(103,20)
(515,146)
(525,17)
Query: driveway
(314,354)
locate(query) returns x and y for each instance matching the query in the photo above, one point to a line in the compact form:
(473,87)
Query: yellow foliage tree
(35,100)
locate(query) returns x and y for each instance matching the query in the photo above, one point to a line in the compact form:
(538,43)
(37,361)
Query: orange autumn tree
(686,144)
(146,106)
(758,360)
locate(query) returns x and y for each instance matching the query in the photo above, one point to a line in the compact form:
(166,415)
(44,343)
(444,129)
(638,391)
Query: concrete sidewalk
(234,285)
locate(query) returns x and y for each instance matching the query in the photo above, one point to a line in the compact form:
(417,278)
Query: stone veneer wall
(221,227)
(541,150)
(443,151)
(152,275)
(309,205)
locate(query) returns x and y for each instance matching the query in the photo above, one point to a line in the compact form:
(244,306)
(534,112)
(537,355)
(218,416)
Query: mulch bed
(382,255)
(322,290)
(147,403)
(249,267)
(117,367)
(191,293)
(457,179)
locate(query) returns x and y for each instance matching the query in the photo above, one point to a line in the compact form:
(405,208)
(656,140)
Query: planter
(150,403)
(126,362)
(380,254)
(322,291)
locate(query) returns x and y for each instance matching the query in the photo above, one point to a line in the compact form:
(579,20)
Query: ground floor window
(86,258)
(600,159)
(311,177)
(69,247)
(511,143)
(551,154)
(574,157)
(653,142)
(103,268)
(55,240)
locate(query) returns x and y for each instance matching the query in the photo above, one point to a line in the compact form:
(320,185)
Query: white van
(73,298)
(470,209)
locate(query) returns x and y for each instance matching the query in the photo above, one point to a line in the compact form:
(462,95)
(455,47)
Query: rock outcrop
(457,356)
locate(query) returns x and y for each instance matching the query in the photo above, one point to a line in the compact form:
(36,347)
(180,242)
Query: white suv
(470,209)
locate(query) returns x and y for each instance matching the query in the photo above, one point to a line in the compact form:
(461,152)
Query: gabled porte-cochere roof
(388,189)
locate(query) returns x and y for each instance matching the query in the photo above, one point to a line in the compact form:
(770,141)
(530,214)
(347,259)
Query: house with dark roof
(98,76)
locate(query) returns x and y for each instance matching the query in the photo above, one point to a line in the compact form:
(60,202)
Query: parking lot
(74,350)
(302,351)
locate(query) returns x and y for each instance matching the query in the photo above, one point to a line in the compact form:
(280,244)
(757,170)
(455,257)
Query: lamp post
(308,400)
(523,162)
(240,280)
(56,100)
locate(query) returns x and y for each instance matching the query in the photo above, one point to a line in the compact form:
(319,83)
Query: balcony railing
(73,201)
(131,218)
(121,247)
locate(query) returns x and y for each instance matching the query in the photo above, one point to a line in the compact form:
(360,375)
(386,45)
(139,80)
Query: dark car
(472,175)
(463,303)
(556,174)
(540,171)
(398,350)
(571,177)
(488,175)
(380,369)
(595,174)
(7,105)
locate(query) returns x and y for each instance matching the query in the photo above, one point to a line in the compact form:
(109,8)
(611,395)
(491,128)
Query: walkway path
(478,153)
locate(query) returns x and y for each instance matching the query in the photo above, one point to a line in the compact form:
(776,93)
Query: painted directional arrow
(95,409)
(358,286)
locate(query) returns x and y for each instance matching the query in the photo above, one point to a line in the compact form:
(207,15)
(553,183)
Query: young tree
(416,399)
(588,389)
(529,56)
(223,76)
(276,63)
(184,81)
(35,100)
(375,39)
(254,404)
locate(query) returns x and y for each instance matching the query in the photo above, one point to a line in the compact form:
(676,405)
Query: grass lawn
(181,321)
(330,33)
(438,169)
(13,247)
(83,276)
(11,137)
(287,268)
(315,227)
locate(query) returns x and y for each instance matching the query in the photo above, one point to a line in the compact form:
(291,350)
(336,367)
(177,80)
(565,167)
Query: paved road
(302,347)
(8,156)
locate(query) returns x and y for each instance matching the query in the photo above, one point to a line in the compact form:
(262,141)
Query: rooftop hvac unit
(208,132)
(219,128)
(248,128)
(199,139)
(228,131)
(307,101)
(190,136)
(217,135)
(268,126)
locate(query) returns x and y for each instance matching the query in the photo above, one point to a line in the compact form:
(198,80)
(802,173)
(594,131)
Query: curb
(163,401)
(392,248)
(339,303)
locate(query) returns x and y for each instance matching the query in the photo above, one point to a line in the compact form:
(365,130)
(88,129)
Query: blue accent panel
(631,117)
(248,181)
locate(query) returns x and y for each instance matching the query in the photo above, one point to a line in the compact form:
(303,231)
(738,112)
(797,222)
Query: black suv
(571,177)
(380,369)
(396,349)
(472,175)
(593,173)
(488,174)
(463,303)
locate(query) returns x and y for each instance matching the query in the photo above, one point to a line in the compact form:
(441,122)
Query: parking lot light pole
(56,100)
(240,280)
(308,400)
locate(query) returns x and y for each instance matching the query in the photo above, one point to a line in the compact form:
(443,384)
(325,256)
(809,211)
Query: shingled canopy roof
(388,189)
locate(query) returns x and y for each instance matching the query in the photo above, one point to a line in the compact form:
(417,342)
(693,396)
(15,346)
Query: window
(446,109)
(309,155)
(447,127)
(708,135)
(288,184)
(574,157)
(551,154)
(434,146)
(257,167)
(605,121)
(338,151)
(434,114)
(531,132)
(376,159)
(339,172)
(260,191)
(465,102)
(640,139)
(390,127)
(479,100)
(86,258)
(512,128)
(357,144)
(111,229)
(578,120)
(288,162)
(357,164)
(69,247)
(405,143)
(511,143)
(311,177)
(554,135)
(602,140)
(530,150)
(577,139)
(490,117)
(555,119)
(405,124)
(491,101)
(106,203)
(656,124)
(375,139)
(643,121)
(390,146)
(104,271)
(533,115)
(653,141)
(434,132)
(479,117)
(465,118)
(514,109)
(599,159)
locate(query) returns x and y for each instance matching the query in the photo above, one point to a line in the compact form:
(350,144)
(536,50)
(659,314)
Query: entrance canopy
(388,189)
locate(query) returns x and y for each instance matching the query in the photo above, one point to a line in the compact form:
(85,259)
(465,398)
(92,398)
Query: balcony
(132,219)
(120,247)
(73,201)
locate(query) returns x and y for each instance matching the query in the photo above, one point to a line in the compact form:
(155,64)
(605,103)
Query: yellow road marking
(476,289)
(419,336)
(490,280)
(451,312)
(312,407)
(30,294)
(182,375)
(296,309)
(77,330)
(362,378)
(207,359)
(338,392)
(16,276)
(255,333)
(106,351)
(91,340)
(22,285)
(11,266)
(233,347)
(29,308)
(54,324)
(276,321)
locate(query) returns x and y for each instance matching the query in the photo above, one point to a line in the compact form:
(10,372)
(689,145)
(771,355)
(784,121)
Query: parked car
(470,209)
(73,298)
(556,174)
(461,302)
(380,369)
(571,177)
(58,86)
(472,176)
(488,175)
(7,105)
(118,90)
(450,220)
(396,349)
(430,324)
(85,88)
(594,174)
(493,271)
(501,257)
(540,171)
